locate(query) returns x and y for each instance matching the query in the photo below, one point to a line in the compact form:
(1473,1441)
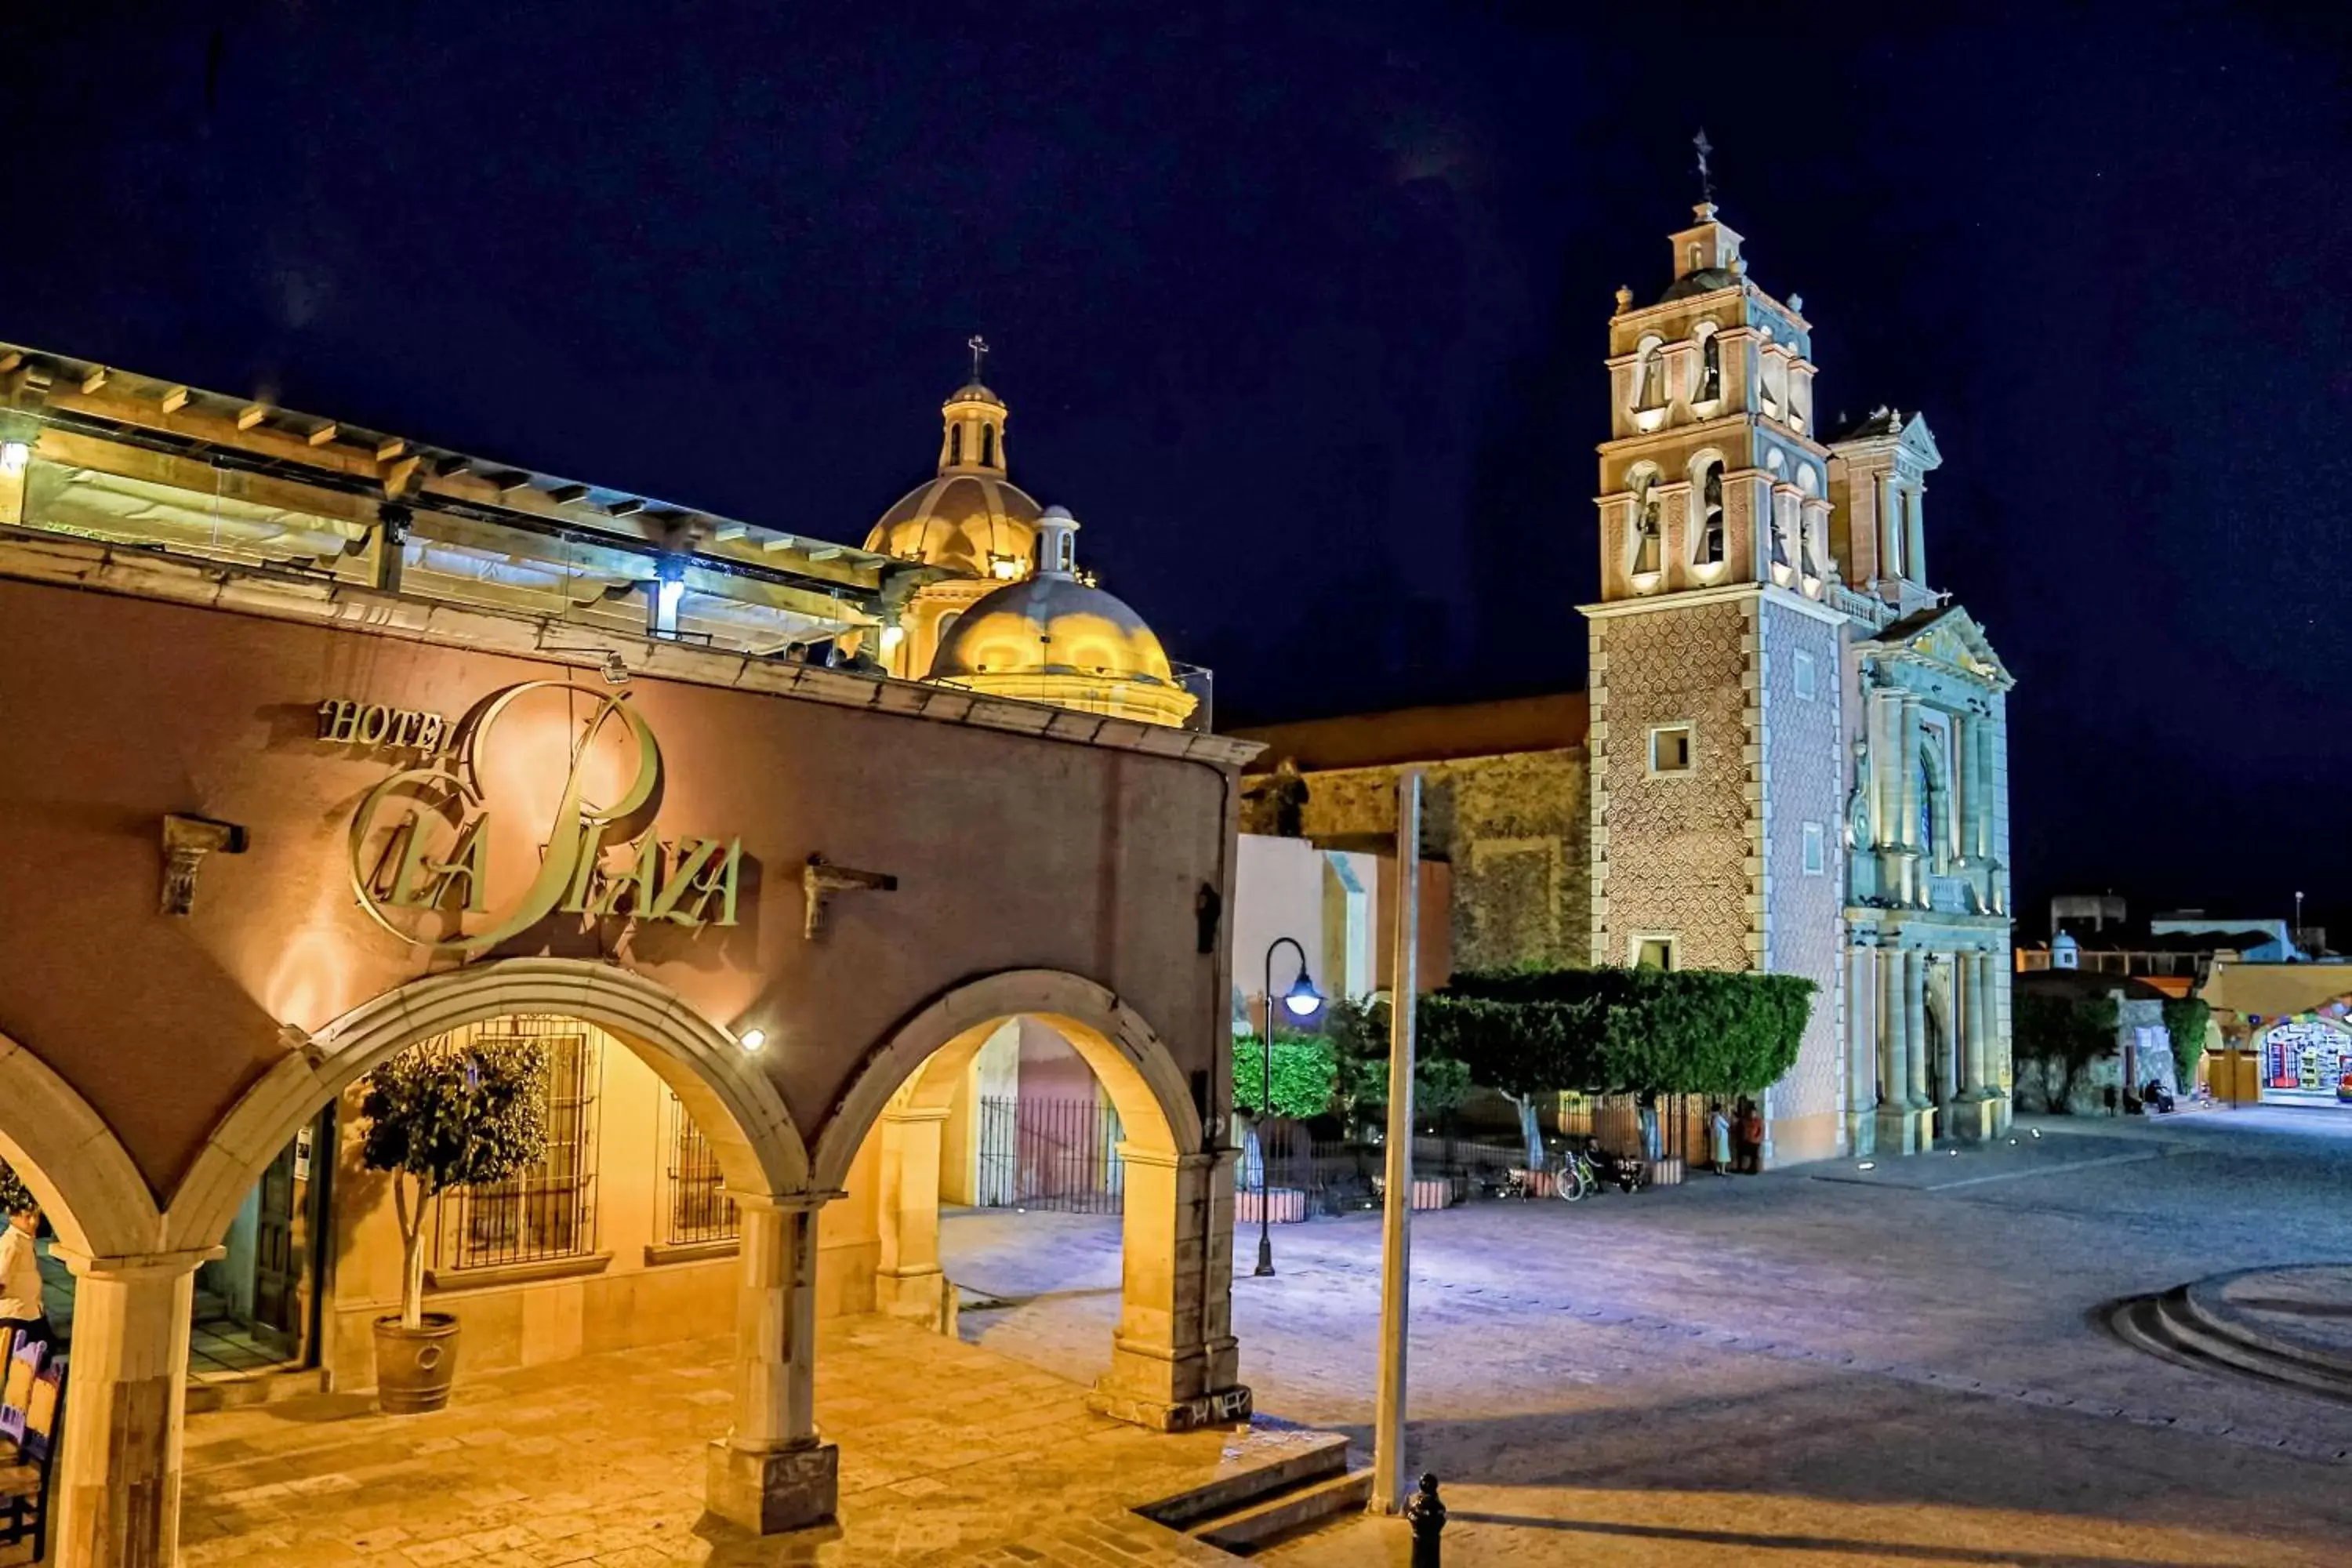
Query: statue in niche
(1288,792)
(1857,804)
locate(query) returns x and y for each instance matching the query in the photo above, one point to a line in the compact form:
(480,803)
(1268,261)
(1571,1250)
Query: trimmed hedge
(2185,1019)
(1304,1075)
(1610,1031)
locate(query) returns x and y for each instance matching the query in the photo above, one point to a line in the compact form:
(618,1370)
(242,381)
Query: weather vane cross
(979,347)
(1706,177)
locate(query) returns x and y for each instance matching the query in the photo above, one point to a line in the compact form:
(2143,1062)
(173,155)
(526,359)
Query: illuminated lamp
(1004,568)
(892,636)
(751,1039)
(14,455)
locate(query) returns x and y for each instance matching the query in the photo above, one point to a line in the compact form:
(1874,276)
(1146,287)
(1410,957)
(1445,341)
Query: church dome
(1055,640)
(1704,280)
(970,519)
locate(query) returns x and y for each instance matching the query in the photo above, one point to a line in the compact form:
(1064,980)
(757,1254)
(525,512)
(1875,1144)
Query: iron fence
(550,1211)
(693,1200)
(1058,1154)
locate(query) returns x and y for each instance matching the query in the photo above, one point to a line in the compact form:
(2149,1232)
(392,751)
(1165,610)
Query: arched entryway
(714,1083)
(1173,1362)
(109,1231)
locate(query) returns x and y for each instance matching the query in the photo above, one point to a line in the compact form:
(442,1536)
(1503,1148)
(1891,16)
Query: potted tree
(439,1117)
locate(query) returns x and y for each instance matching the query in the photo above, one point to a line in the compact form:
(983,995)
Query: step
(1302,1508)
(1307,1459)
(253,1388)
(2167,1320)
(2206,1304)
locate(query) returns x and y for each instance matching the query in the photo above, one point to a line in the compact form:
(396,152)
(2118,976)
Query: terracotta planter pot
(414,1367)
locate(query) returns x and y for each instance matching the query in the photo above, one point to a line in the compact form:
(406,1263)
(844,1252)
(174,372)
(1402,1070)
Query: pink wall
(1010,852)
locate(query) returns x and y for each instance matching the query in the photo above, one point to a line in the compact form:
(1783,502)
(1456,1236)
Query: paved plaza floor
(1784,1370)
(1792,1370)
(950,1455)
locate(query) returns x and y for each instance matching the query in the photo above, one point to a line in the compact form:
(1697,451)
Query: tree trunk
(1530,1130)
(412,1252)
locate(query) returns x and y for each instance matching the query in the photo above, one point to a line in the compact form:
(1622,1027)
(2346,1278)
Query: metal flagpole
(1389,1488)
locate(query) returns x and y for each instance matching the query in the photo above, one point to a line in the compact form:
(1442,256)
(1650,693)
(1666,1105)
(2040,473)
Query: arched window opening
(1781,530)
(1710,368)
(1650,378)
(1649,522)
(1710,527)
(955,444)
(988,447)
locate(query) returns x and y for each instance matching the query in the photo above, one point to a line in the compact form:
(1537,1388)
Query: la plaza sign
(423,845)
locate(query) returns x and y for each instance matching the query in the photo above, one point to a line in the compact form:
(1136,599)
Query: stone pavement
(1791,1371)
(949,1455)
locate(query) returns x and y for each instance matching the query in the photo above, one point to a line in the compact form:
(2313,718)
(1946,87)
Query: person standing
(20,1276)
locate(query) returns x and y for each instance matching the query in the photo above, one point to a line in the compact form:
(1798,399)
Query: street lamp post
(1300,1001)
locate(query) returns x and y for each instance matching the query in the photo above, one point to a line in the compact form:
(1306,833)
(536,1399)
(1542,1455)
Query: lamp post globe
(1300,1002)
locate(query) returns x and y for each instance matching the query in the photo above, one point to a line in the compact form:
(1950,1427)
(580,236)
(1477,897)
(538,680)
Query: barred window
(548,1211)
(694,1206)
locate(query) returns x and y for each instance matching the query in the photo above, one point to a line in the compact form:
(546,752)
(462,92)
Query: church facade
(1795,758)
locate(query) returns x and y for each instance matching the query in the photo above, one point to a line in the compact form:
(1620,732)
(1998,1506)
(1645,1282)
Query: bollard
(1427,1514)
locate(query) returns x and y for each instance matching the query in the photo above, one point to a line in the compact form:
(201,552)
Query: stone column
(1174,1365)
(1914,553)
(1914,1027)
(118,1492)
(908,1281)
(1862,1049)
(1906,757)
(1978,1010)
(771,1473)
(1890,548)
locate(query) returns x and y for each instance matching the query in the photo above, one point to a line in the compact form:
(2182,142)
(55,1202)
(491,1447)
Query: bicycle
(1575,1177)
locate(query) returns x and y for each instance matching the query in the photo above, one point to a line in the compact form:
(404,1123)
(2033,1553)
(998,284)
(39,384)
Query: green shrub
(2185,1019)
(1359,1033)
(2063,1032)
(1689,1031)
(1304,1075)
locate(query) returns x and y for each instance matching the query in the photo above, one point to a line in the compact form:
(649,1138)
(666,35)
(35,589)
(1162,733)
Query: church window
(1670,750)
(1711,521)
(1817,858)
(1781,530)
(1649,521)
(955,445)
(1802,671)
(1650,377)
(1652,950)
(988,447)
(1776,385)
(1710,368)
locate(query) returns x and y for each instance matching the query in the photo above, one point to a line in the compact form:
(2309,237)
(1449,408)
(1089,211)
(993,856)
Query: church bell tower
(1717,739)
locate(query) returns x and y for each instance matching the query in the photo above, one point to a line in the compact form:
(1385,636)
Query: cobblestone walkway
(950,1455)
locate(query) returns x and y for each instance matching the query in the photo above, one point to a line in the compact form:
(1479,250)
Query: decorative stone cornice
(32,556)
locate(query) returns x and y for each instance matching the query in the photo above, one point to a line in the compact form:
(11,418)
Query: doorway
(255,1308)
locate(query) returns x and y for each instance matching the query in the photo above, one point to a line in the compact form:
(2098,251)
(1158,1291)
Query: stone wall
(1671,854)
(1512,828)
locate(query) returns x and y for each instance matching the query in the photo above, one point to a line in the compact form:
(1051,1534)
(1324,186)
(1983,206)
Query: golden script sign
(421,840)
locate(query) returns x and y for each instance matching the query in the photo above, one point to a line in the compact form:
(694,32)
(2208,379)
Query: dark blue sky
(1301,310)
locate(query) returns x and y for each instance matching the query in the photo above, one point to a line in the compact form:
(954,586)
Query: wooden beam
(251,415)
(827,552)
(324,434)
(93,380)
(564,494)
(627,507)
(175,399)
(513,479)
(728,534)
(10,360)
(388,448)
(780,541)
(397,475)
(451,464)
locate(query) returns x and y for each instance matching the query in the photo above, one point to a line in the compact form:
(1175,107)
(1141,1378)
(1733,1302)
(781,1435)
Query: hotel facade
(325,745)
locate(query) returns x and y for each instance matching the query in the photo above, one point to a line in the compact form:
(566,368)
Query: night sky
(1301,310)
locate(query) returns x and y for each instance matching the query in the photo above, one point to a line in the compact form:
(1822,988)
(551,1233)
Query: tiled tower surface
(1802,779)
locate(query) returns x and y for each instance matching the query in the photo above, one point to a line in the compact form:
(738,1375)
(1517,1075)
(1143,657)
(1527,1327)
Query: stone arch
(1154,1102)
(89,1186)
(1173,1362)
(751,1132)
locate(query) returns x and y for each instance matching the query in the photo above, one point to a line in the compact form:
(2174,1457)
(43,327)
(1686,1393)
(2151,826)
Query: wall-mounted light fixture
(751,1039)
